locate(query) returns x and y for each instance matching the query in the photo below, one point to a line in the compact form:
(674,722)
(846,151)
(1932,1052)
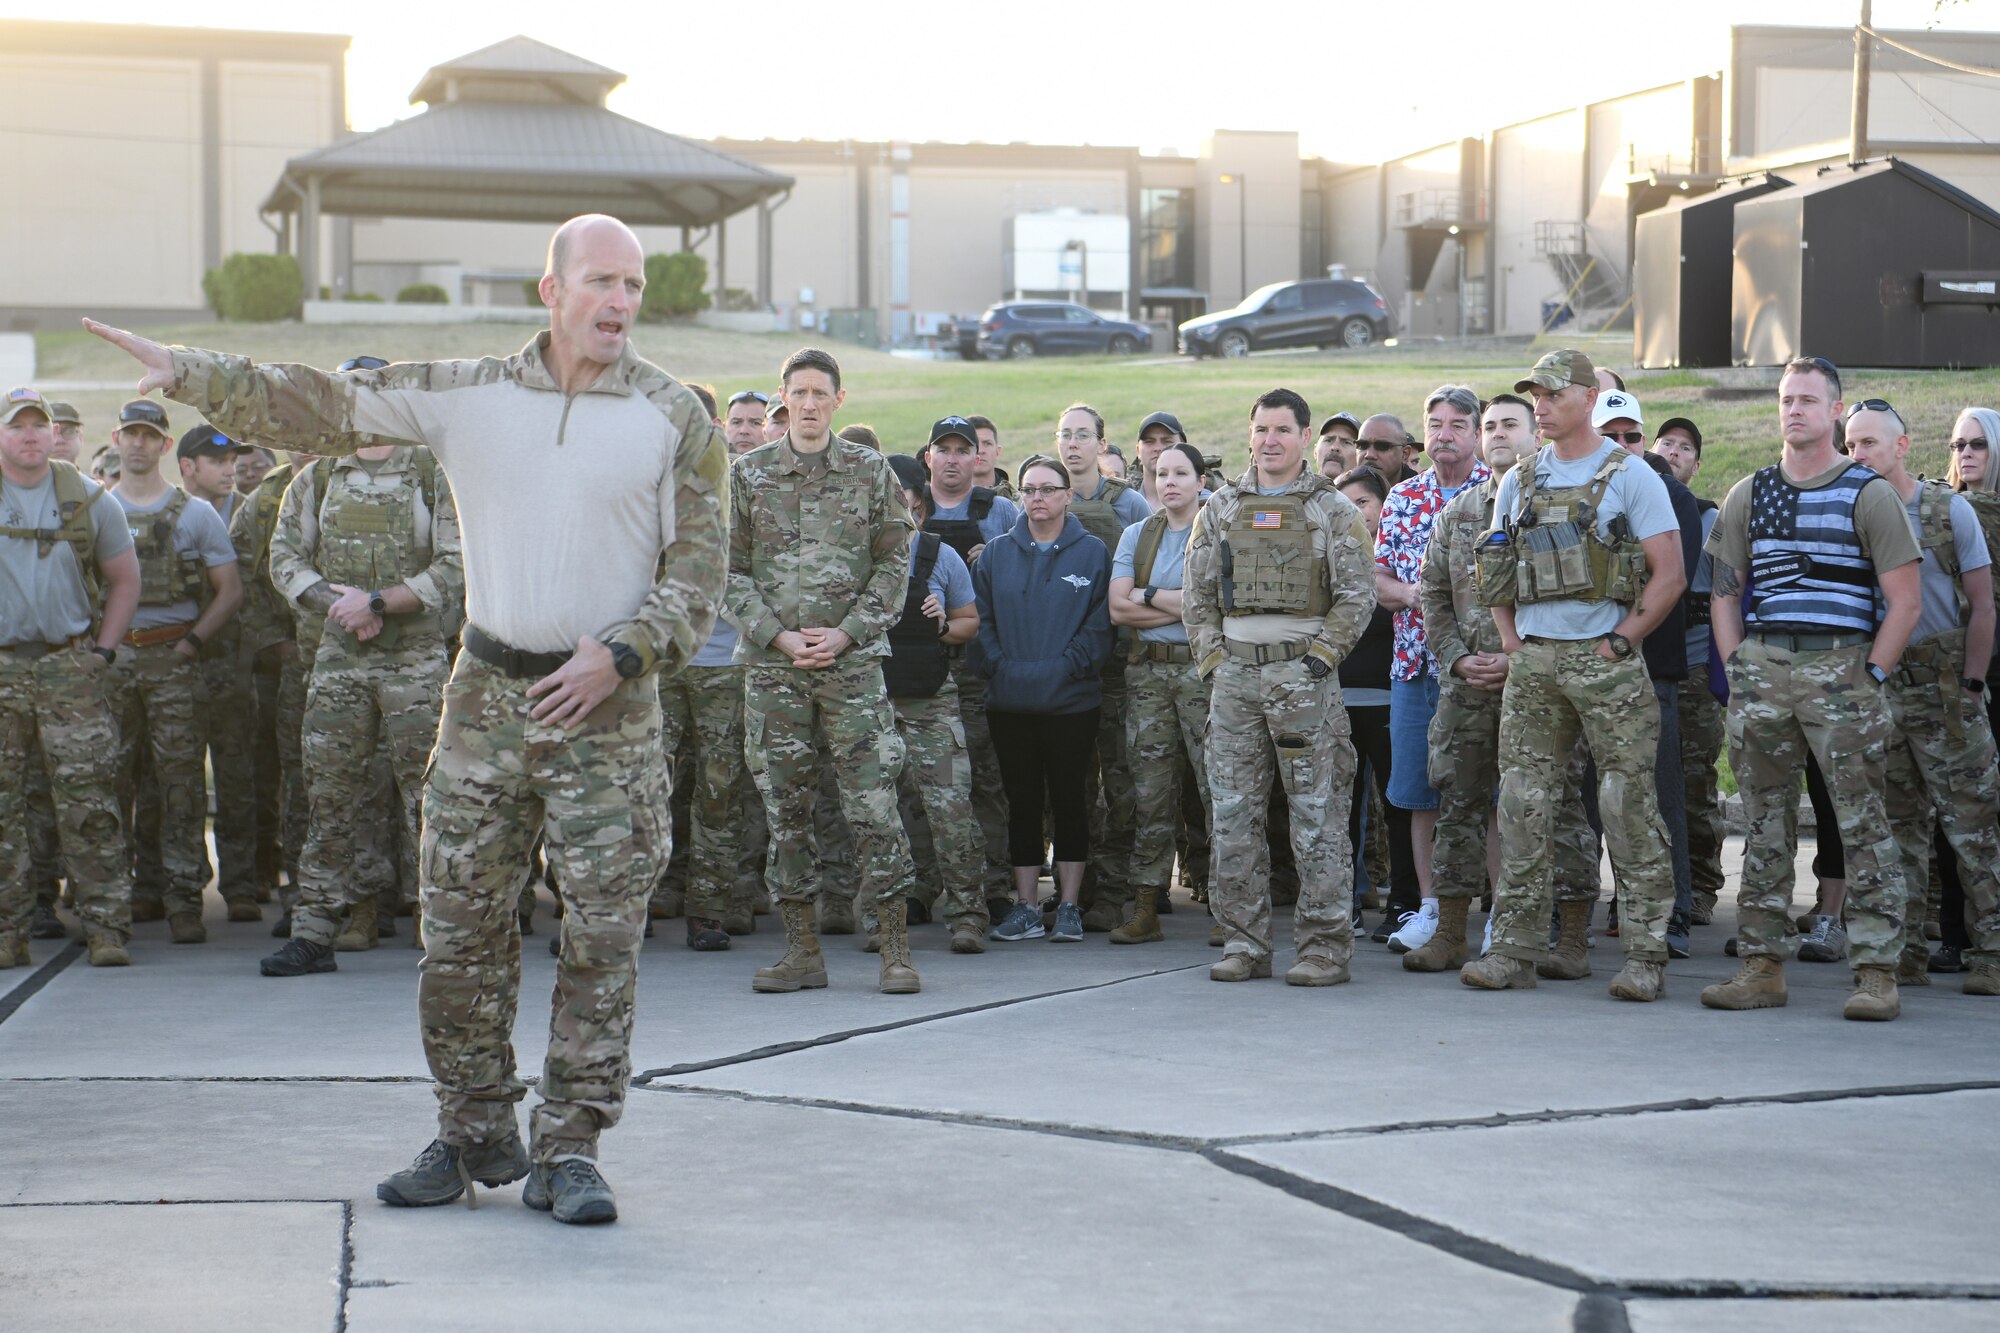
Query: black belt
(510,661)
(1811,643)
(33,651)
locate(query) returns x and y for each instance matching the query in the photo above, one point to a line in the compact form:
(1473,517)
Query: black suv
(1318,312)
(1020,329)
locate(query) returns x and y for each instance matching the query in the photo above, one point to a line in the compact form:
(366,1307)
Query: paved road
(1080,1136)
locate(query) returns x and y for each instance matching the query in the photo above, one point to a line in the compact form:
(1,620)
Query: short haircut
(1189,452)
(1512,400)
(1043,460)
(1807,365)
(1368,479)
(979,423)
(1095,416)
(1616,378)
(1457,397)
(1394,420)
(707,396)
(1284,398)
(810,358)
(862,433)
(1114,451)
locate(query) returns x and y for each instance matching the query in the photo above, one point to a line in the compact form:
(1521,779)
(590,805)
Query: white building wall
(270,113)
(1537,176)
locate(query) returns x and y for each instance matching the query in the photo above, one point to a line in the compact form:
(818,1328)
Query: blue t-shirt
(720,650)
(950,579)
(999,519)
(1635,490)
(1169,562)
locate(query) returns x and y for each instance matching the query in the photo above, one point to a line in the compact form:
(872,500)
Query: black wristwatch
(377,605)
(1621,647)
(1877,674)
(110,655)
(1318,668)
(1147,596)
(627,660)
(1972,684)
(194,639)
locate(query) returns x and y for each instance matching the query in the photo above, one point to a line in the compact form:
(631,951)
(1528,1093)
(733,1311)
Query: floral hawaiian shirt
(1412,508)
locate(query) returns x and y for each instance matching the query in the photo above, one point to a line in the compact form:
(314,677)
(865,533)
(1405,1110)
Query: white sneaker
(1486,942)
(1418,927)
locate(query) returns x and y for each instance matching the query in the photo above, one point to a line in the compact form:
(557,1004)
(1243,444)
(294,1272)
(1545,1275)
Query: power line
(1982,71)
(1930,107)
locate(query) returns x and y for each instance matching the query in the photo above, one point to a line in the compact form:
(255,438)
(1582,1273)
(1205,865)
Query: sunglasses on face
(1960,446)
(1626,436)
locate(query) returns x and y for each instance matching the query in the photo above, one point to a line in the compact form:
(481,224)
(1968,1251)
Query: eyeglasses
(1960,446)
(749,396)
(1075,436)
(1037,492)
(361,363)
(1626,436)
(1868,405)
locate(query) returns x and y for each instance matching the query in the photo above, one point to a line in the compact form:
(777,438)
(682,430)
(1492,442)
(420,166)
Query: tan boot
(666,904)
(245,909)
(1144,927)
(1640,980)
(1914,967)
(803,967)
(186,928)
(1217,937)
(968,936)
(1496,971)
(836,915)
(1983,978)
(1758,984)
(899,974)
(1874,999)
(1570,960)
(14,951)
(363,928)
(1240,967)
(1315,969)
(1446,949)
(108,951)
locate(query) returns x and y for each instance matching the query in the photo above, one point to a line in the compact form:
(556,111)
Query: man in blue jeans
(1451,439)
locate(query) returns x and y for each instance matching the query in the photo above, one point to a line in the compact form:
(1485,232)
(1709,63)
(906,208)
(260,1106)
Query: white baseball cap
(1614,406)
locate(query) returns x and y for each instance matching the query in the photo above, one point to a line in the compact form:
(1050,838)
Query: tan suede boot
(363,928)
(1447,947)
(1640,980)
(899,974)
(1914,967)
(1240,967)
(1144,927)
(1874,999)
(108,950)
(1570,960)
(1983,979)
(1758,984)
(1315,969)
(803,967)
(1496,971)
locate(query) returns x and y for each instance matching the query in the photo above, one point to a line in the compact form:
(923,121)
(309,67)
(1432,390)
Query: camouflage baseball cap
(144,412)
(1558,370)
(64,415)
(19,401)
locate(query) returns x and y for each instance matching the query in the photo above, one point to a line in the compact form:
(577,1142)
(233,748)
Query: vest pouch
(1495,568)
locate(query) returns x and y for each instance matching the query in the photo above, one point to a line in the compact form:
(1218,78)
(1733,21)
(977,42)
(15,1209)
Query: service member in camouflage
(819,558)
(576,466)
(1806,553)
(1579,529)
(369,545)
(1280,582)
(1941,752)
(64,547)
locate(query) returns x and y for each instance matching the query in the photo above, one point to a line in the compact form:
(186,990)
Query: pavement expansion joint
(11,1002)
(344,1282)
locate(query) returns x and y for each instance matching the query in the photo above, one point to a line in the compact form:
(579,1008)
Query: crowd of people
(802,674)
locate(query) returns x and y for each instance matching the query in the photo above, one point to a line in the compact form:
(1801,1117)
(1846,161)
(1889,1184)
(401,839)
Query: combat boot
(968,936)
(444,1171)
(1144,927)
(107,950)
(739,921)
(1570,959)
(666,904)
(1983,979)
(1758,984)
(1217,936)
(148,909)
(245,909)
(573,1191)
(14,951)
(1101,917)
(1315,969)
(360,934)
(899,974)
(186,928)
(1874,999)
(48,926)
(803,967)
(836,915)
(1640,980)
(1240,967)
(1496,971)
(705,935)
(1914,967)
(1447,947)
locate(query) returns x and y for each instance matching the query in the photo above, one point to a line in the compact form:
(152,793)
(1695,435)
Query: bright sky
(1360,81)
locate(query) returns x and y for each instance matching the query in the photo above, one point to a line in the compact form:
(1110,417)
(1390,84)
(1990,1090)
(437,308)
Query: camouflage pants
(834,873)
(44,838)
(1701,744)
(701,708)
(155,696)
(53,712)
(938,771)
(1928,767)
(1166,714)
(1465,768)
(1276,719)
(267,806)
(788,713)
(294,812)
(1110,794)
(596,792)
(1556,691)
(989,794)
(358,708)
(228,721)
(1783,704)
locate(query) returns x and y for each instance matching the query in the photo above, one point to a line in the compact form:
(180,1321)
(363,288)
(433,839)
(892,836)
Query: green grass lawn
(900,397)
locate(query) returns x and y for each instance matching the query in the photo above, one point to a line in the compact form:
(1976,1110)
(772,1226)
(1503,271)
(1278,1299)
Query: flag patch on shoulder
(1267,518)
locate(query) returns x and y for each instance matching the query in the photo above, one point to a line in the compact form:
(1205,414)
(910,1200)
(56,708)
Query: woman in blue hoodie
(1044,633)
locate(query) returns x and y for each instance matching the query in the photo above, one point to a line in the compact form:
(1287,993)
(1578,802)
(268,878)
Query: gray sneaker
(1069,925)
(444,1171)
(1826,942)
(1024,922)
(573,1191)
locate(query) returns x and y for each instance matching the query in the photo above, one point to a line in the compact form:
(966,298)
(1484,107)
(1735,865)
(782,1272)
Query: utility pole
(1857,134)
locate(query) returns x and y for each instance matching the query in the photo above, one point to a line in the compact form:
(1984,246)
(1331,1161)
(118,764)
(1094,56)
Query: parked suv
(1318,312)
(1020,329)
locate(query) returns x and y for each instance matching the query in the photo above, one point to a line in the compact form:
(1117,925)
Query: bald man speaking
(577,466)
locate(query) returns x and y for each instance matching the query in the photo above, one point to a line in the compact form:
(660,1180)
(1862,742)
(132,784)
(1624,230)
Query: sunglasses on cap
(361,363)
(749,396)
(1870,405)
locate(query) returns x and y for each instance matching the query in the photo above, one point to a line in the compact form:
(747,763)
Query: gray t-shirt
(1938,613)
(950,580)
(720,650)
(41,596)
(1168,565)
(1635,491)
(999,520)
(200,531)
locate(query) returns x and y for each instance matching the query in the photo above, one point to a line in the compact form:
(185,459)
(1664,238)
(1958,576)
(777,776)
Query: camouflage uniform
(1165,721)
(44,838)
(595,789)
(701,708)
(228,710)
(937,771)
(989,794)
(1269,712)
(821,540)
(367,526)
(1107,885)
(1701,745)
(266,624)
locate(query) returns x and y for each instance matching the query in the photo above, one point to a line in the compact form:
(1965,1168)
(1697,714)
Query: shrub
(363,296)
(532,289)
(675,286)
(422,293)
(254,288)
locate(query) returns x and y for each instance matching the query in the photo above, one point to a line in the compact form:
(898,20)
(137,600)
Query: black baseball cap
(1680,423)
(909,472)
(206,439)
(953,425)
(1347,417)
(144,412)
(1167,419)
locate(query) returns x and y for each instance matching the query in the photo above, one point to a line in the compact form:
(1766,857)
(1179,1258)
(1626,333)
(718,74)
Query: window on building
(1166,237)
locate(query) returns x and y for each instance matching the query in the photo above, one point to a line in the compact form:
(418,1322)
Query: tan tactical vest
(370,539)
(1459,541)
(1561,550)
(1269,566)
(166,576)
(73,525)
(1099,519)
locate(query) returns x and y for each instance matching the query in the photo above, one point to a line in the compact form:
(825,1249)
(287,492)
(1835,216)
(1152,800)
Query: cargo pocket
(1496,568)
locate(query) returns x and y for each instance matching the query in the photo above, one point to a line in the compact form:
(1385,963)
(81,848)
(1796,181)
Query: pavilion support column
(309,240)
(721,260)
(764,254)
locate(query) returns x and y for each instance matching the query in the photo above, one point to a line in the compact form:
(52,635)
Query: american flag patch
(1267,518)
